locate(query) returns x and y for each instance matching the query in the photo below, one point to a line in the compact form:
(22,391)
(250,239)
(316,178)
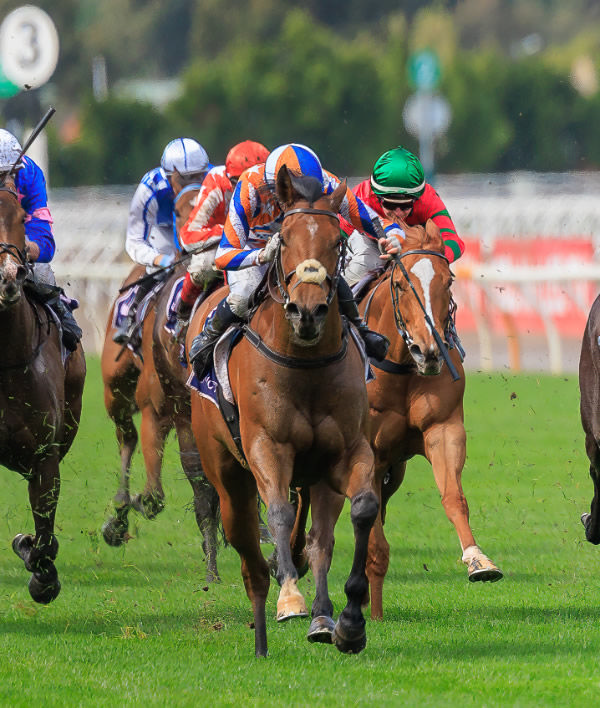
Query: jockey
(397,191)
(30,185)
(151,239)
(245,253)
(204,226)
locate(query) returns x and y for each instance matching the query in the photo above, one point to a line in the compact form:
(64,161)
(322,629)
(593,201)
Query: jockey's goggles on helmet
(189,177)
(396,201)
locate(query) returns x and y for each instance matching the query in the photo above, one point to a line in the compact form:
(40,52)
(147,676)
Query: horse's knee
(281,516)
(363,510)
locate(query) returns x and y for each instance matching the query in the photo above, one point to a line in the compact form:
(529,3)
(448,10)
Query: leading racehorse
(41,388)
(416,399)
(297,378)
(153,381)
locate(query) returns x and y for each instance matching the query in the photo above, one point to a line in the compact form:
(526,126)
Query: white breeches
(363,256)
(201,267)
(242,283)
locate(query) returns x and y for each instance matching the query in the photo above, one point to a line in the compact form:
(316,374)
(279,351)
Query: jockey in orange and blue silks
(202,232)
(30,186)
(245,250)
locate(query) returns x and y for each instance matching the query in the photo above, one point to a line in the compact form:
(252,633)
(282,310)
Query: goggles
(392,202)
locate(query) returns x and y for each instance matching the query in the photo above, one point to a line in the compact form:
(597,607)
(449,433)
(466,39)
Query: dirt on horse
(416,399)
(41,388)
(297,378)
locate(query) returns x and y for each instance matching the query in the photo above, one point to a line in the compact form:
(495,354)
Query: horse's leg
(118,400)
(326,508)
(300,499)
(274,463)
(206,499)
(154,430)
(445,448)
(39,552)
(240,522)
(349,634)
(591,521)
(378,557)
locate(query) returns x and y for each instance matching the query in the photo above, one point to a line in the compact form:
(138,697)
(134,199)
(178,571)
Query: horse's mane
(427,237)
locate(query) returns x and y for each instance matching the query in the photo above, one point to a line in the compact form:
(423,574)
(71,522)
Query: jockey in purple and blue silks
(151,238)
(30,185)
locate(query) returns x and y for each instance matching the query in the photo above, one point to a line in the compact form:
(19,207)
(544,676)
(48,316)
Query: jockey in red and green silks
(397,190)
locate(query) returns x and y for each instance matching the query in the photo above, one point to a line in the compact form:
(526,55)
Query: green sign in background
(7,88)
(424,69)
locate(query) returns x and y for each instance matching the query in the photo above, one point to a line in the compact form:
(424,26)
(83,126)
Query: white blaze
(423,269)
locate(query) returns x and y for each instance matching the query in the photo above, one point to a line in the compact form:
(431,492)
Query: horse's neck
(19,331)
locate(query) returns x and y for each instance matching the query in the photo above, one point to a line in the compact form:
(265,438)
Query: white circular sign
(28,46)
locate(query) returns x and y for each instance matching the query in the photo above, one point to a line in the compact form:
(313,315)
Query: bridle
(399,320)
(282,280)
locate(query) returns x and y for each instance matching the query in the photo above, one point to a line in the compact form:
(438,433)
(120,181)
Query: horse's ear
(337,196)
(434,237)
(284,188)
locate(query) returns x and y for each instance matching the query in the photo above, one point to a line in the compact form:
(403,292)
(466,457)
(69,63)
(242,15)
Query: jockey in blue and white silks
(151,238)
(30,185)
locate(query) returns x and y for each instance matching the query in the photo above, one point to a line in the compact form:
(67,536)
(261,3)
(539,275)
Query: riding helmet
(400,172)
(299,159)
(10,150)
(185,155)
(244,155)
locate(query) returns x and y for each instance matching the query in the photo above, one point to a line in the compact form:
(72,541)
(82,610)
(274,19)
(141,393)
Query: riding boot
(71,331)
(127,328)
(376,345)
(52,295)
(202,347)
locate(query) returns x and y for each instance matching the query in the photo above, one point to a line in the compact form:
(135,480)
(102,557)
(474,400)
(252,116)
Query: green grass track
(138,625)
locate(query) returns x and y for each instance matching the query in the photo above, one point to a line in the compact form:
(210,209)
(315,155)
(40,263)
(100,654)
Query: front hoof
(321,630)
(44,589)
(290,604)
(114,531)
(349,641)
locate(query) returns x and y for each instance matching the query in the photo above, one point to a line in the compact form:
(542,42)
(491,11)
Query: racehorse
(40,398)
(297,378)
(153,382)
(416,402)
(589,366)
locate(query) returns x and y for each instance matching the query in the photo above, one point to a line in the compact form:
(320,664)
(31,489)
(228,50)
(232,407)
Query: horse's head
(13,256)
(421,281)
(311,253)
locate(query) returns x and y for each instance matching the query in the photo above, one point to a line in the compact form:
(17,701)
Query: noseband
(283,279)
(400,324)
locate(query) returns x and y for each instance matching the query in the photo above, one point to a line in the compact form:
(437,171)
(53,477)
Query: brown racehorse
(589,366)
(416,406)
(40,398)
(155,385)
(298,381)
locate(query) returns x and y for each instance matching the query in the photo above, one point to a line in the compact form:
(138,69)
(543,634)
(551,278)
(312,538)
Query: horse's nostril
(292,310)
(320,312)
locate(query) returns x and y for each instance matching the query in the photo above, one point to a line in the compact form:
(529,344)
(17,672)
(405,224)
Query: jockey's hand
(389,246)
(267,254)
(33,251)
(164,261)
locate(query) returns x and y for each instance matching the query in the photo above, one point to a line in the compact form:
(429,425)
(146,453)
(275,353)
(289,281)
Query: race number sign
(28,47)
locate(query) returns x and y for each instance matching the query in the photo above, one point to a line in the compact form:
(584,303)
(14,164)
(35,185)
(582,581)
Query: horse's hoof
(290,607)
(482,569)
(585,519)
(22,545)
(114,531)
(349,642)
(321,630)
(44,590)
(148,506)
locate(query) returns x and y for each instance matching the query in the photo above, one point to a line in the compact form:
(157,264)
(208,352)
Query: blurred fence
(524,287)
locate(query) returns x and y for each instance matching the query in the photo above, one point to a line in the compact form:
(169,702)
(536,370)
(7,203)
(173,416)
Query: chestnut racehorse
(154,384)
(298,381)
(40,398)
(416,399)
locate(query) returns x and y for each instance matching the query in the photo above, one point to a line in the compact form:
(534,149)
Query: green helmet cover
(398,171)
